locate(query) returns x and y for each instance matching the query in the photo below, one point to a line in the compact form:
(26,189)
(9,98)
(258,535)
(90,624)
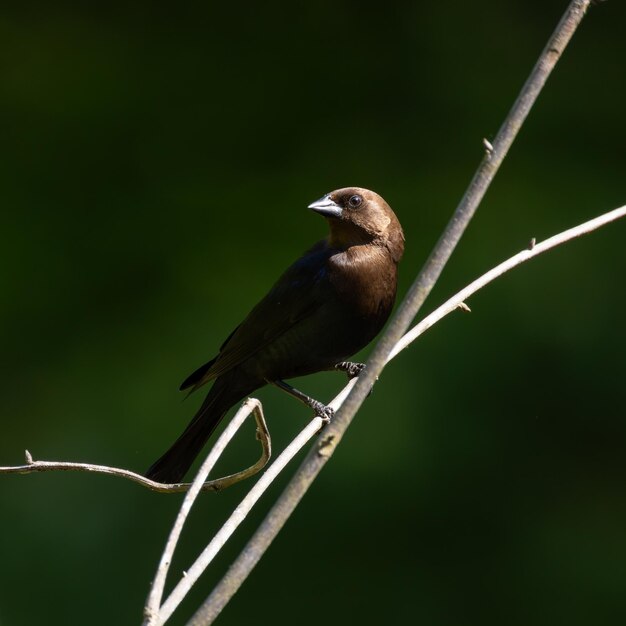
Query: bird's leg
(321,410)
(350,368)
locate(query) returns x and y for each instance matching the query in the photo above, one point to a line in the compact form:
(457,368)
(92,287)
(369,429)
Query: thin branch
(532,251)
(251,405)
(218,484)
(326,444)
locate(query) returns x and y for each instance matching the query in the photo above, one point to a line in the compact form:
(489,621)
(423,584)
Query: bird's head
(359,216)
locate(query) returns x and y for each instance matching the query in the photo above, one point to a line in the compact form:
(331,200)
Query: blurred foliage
(155,165)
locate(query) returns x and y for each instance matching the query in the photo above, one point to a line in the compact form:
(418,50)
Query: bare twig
(525,255)
(251,405)
(218,484)
(239,514)
(407,310)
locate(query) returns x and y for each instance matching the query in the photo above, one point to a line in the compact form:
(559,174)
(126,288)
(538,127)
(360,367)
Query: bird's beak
(326,207)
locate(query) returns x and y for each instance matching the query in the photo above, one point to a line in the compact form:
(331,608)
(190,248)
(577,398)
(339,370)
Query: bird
(326,306)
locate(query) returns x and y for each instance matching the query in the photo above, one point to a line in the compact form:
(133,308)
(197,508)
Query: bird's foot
(350,368)
(321,410)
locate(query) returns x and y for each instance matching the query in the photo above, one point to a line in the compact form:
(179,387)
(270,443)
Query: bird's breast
(365,279)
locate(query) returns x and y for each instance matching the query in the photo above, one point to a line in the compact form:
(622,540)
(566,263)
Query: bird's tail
(174,464)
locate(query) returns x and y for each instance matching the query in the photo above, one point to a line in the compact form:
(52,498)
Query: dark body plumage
(328,305)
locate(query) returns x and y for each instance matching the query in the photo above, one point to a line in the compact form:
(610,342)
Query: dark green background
(156,160)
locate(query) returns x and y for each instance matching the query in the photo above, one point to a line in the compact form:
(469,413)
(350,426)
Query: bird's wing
(297,294)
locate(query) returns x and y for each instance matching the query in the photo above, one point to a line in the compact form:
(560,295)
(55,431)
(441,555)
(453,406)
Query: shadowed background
(155,165)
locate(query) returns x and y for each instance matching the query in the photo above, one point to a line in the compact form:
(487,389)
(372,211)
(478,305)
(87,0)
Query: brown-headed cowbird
(328,305)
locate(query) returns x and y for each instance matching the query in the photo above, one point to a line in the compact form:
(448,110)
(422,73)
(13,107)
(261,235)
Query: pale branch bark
(218,484)
(253,406)
(315,460)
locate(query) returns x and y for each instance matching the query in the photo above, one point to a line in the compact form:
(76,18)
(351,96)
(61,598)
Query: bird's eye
(355,201)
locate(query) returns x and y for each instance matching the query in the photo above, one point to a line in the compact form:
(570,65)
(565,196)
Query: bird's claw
(326,413)
(351,369)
